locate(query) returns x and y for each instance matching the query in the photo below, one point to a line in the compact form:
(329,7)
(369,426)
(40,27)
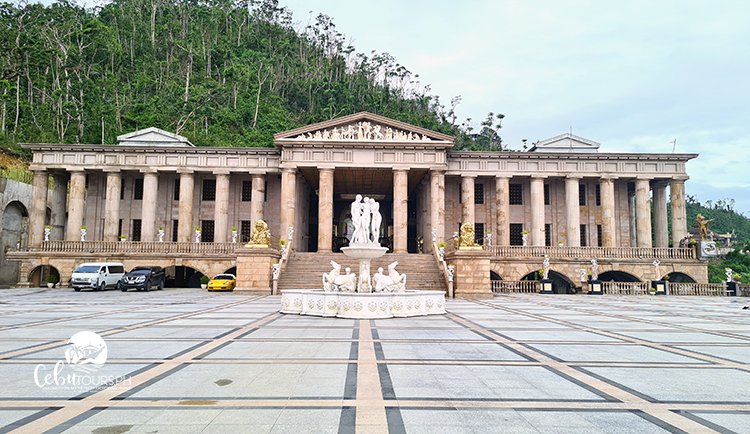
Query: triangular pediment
(565,143)
(364,127)
(152,137)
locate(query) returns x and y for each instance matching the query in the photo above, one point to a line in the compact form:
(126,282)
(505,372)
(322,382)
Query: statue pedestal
(254,269)
(365,253)
(472,273)
(732,289)
(659,287)
(548,287)
(595,287)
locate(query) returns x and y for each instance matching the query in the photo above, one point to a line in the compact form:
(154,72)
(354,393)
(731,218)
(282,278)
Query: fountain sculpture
(363,296)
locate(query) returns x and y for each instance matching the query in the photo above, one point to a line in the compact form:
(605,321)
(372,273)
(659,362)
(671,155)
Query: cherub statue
(466,239)
(334,281)
(730,274)
(261,234)
(545,268)
(393,282)
(703,230)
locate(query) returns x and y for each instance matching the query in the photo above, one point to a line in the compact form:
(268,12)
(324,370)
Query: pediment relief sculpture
(364,130)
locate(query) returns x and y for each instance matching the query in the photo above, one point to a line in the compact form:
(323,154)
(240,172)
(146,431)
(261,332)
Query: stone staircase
(305,270)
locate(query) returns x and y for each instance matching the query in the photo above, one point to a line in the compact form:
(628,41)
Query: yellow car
(222,282)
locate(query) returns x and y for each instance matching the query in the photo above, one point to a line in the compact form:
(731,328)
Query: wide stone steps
(305,270)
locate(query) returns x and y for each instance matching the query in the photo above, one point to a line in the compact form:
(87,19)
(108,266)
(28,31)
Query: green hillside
(220,72)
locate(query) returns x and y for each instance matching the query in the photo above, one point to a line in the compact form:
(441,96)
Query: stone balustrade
(626,288)
(515,286)
(701,289)
(136,247)
(594,252)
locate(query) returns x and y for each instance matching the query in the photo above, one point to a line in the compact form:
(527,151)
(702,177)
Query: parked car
(222,282)
(141,278)
(97,275)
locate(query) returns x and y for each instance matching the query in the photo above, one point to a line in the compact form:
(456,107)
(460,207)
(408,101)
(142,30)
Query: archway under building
(232,270)
(180,276)
(678,277)
(618,276)
(38,277)
(495,276)
(562,284)
(13,234)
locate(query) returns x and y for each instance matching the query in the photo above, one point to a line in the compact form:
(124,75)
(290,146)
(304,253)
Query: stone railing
(626,288)
(702,289)
(594,252)
(743,290)
(286,251)
(447,271)
(515,286)
(116,247)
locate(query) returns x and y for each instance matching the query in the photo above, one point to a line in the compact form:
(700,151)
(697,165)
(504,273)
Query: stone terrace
(201,362)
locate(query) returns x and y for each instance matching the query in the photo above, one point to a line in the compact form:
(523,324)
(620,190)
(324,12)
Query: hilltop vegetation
(221,72)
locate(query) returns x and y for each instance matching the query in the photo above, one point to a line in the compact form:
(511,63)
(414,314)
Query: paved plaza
(184,361)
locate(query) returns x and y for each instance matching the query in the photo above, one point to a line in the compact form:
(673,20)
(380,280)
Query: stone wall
(15,200)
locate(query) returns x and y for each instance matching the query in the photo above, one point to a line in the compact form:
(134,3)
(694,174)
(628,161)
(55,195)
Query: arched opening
(617,276)
(561,283)
(40,276)
(13,235)
(678,277)
(182,277)
(232,270)
(495,276)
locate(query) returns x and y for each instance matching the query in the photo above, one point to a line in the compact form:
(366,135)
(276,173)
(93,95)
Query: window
(138,189)
(135,234)
(598,194)
(116,269)
(478,193)
(119,228)
(599,235)
(209,190)
(207,231)
(582,194)
(548,234)
(515,234)
(479,233)
(265,191)
(247,191)
(175,225)
(176,195)
(246,230)
(584,236)
(122,188)
(515,193)
(546,194)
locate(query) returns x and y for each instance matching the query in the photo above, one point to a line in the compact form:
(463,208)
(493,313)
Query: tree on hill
(220,72)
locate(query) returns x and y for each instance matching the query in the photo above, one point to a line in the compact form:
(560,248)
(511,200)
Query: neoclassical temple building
(155,198)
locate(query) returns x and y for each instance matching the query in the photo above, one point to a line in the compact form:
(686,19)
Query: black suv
(142,278)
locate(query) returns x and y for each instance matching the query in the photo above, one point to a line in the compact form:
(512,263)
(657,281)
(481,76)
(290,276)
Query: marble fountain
(382,295)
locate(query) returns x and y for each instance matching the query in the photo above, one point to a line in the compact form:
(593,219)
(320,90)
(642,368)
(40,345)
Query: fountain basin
(364,251)
(356,305)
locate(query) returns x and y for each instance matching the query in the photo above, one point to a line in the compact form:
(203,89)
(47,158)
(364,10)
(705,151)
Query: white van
(97,275)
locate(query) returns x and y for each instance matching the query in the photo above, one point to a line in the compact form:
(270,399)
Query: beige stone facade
(555,196)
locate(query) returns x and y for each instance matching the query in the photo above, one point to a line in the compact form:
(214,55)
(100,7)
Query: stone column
(537,211)
(661,231)
(437,198)
(112,205)
(185,212)
(400,209)
(76,205)
(257,198)
(608,212)
(467,199)
(325,210)
(148,204)
(288,200)
(642,213)
(57,204)
(221,207)
(679,218)
(502,208)
(38,211)
(572,211)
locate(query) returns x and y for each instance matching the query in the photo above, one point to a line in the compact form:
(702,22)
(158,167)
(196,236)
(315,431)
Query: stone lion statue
(261,234)
(466,239)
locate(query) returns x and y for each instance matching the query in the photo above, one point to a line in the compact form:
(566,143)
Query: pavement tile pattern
(184,361)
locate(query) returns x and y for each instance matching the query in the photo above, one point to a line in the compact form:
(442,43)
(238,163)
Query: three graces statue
(366,219)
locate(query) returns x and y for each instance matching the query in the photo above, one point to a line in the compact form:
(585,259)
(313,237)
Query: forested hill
(221,72)
(724,219)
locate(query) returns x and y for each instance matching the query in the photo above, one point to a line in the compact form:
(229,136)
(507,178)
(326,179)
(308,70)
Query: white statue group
(366,219)
(335,281)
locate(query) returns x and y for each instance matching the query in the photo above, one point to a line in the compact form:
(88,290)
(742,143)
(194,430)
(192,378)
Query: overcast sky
(631,75)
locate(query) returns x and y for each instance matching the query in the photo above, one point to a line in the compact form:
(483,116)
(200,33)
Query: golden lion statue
(261,234)
(466,239)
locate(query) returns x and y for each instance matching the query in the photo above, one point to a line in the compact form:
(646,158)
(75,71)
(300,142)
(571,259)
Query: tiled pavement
(202,363)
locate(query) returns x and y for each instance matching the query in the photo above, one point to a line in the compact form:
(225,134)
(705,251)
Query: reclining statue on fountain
(334,281)
(393,282)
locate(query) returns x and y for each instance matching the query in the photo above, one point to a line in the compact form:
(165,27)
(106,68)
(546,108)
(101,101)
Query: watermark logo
(85,353)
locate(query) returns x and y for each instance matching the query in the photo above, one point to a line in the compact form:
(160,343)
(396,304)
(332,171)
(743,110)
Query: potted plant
(441,249)
(234,234)
(47,232)
(282,246)
(197,234)
(161,234)
(84,231)
(525,238)
(123,237)
(51,280)
(204,282)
